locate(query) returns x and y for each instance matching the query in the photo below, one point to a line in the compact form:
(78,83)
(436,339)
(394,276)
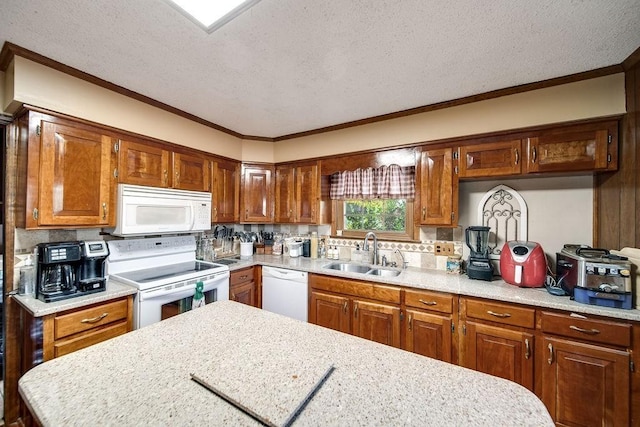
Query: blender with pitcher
(478,265)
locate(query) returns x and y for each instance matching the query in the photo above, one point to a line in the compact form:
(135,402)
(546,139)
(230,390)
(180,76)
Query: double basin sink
(371,270)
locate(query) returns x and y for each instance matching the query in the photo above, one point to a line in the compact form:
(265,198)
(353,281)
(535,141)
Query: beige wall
(44,87)
(579,100)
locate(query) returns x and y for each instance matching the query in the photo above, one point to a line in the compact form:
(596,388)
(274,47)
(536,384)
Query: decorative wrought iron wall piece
(504,210)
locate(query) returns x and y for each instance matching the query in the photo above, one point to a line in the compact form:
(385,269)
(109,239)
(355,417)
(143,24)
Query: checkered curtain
(385,182)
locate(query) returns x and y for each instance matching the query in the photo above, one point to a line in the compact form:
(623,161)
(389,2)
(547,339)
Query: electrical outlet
(443,248)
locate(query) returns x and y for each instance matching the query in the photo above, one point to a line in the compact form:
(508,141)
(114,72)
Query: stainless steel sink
(362,269)
(383,273)
(350,268)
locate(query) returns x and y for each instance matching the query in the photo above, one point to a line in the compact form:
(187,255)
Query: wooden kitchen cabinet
(225,191)
(491,159)
(589,355)
(190,172)
(498,339)
(587,147)
(430,324)
(144,164)
(365,309)
(297,193)
(256,196)
(69,173)
(438,188)
(155,165)
(242,286)
(72,330)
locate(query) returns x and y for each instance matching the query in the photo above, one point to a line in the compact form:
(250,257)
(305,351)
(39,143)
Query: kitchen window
(388,218)
(374,199)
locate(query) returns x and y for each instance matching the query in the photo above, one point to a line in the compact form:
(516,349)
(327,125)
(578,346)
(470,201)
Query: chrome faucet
(365,246)
(404,263)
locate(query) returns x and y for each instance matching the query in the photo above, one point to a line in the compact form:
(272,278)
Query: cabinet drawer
(507,314)
(241,276)
(88,318)
(89,338)
(578,326)
(433,301)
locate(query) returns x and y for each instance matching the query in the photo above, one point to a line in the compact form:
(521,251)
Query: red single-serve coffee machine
(523,264)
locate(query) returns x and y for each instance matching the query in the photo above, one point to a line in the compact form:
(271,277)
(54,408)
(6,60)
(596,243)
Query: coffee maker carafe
(479,266)
(58,267)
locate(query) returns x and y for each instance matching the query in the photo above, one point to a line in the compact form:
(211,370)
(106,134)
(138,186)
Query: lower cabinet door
(244,293)
(428,334)
(584,384)
(330,311)
(377,322)
(501,352)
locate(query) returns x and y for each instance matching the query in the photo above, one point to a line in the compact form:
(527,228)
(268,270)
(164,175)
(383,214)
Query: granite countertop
(38,308)
(269,363)
(437,280)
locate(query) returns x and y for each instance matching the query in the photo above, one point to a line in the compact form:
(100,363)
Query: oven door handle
(188,290)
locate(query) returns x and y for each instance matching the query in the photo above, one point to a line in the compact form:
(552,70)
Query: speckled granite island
(269,363)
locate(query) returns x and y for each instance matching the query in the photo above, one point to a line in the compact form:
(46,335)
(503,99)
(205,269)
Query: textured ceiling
(287,66)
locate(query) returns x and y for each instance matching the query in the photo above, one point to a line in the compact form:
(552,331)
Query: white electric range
(165,272)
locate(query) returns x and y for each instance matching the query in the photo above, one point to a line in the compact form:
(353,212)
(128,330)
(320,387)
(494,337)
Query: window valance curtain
(385,182)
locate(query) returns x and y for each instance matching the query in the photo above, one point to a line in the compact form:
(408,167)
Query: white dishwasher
(285,292)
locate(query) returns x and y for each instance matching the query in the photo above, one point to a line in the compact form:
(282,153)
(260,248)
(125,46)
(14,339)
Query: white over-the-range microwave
(149,210)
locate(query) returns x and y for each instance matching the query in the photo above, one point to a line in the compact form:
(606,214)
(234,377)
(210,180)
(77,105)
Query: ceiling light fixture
(211,15)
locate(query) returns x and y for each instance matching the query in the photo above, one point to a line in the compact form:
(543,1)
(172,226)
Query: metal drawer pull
(517,156)
(585,331)
(104,211)
(428,302)
(233,297)
(355,310)
(346,305)
(243,277)
(501,315)
(410,319)
(527,351)
(550,359)
(535,154)
(95,319)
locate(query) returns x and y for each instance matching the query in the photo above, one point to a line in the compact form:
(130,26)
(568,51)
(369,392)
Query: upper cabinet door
(225,191)
(491,159)
(76,180)
(190,172)
(257,194)
(143,164)
(575,148)
(285,194)
(307,199)
(438,188)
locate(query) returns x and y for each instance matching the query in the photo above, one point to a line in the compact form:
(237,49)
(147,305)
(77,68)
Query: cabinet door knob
(166,176)
(527,350)
(410,321)
(550,359)
(534,154)
(424,213)
(104,211)
(517,156)
(345,307)
(355,310)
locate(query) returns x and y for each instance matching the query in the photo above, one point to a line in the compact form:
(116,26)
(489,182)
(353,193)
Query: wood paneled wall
(617,195)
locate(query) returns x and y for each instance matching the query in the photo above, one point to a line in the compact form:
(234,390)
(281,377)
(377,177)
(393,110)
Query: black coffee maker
(58,268)
(70,269)
(92,277)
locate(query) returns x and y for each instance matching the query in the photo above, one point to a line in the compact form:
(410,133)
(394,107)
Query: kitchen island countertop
(143,378)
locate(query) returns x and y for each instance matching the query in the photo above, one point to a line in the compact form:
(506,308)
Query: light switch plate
(443,248)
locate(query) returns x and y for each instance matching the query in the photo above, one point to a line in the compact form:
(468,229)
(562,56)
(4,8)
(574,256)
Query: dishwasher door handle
(292,275)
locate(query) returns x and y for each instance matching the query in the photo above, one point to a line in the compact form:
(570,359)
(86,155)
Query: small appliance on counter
(523,264)
(478,265)
(594,276)
(70,269)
